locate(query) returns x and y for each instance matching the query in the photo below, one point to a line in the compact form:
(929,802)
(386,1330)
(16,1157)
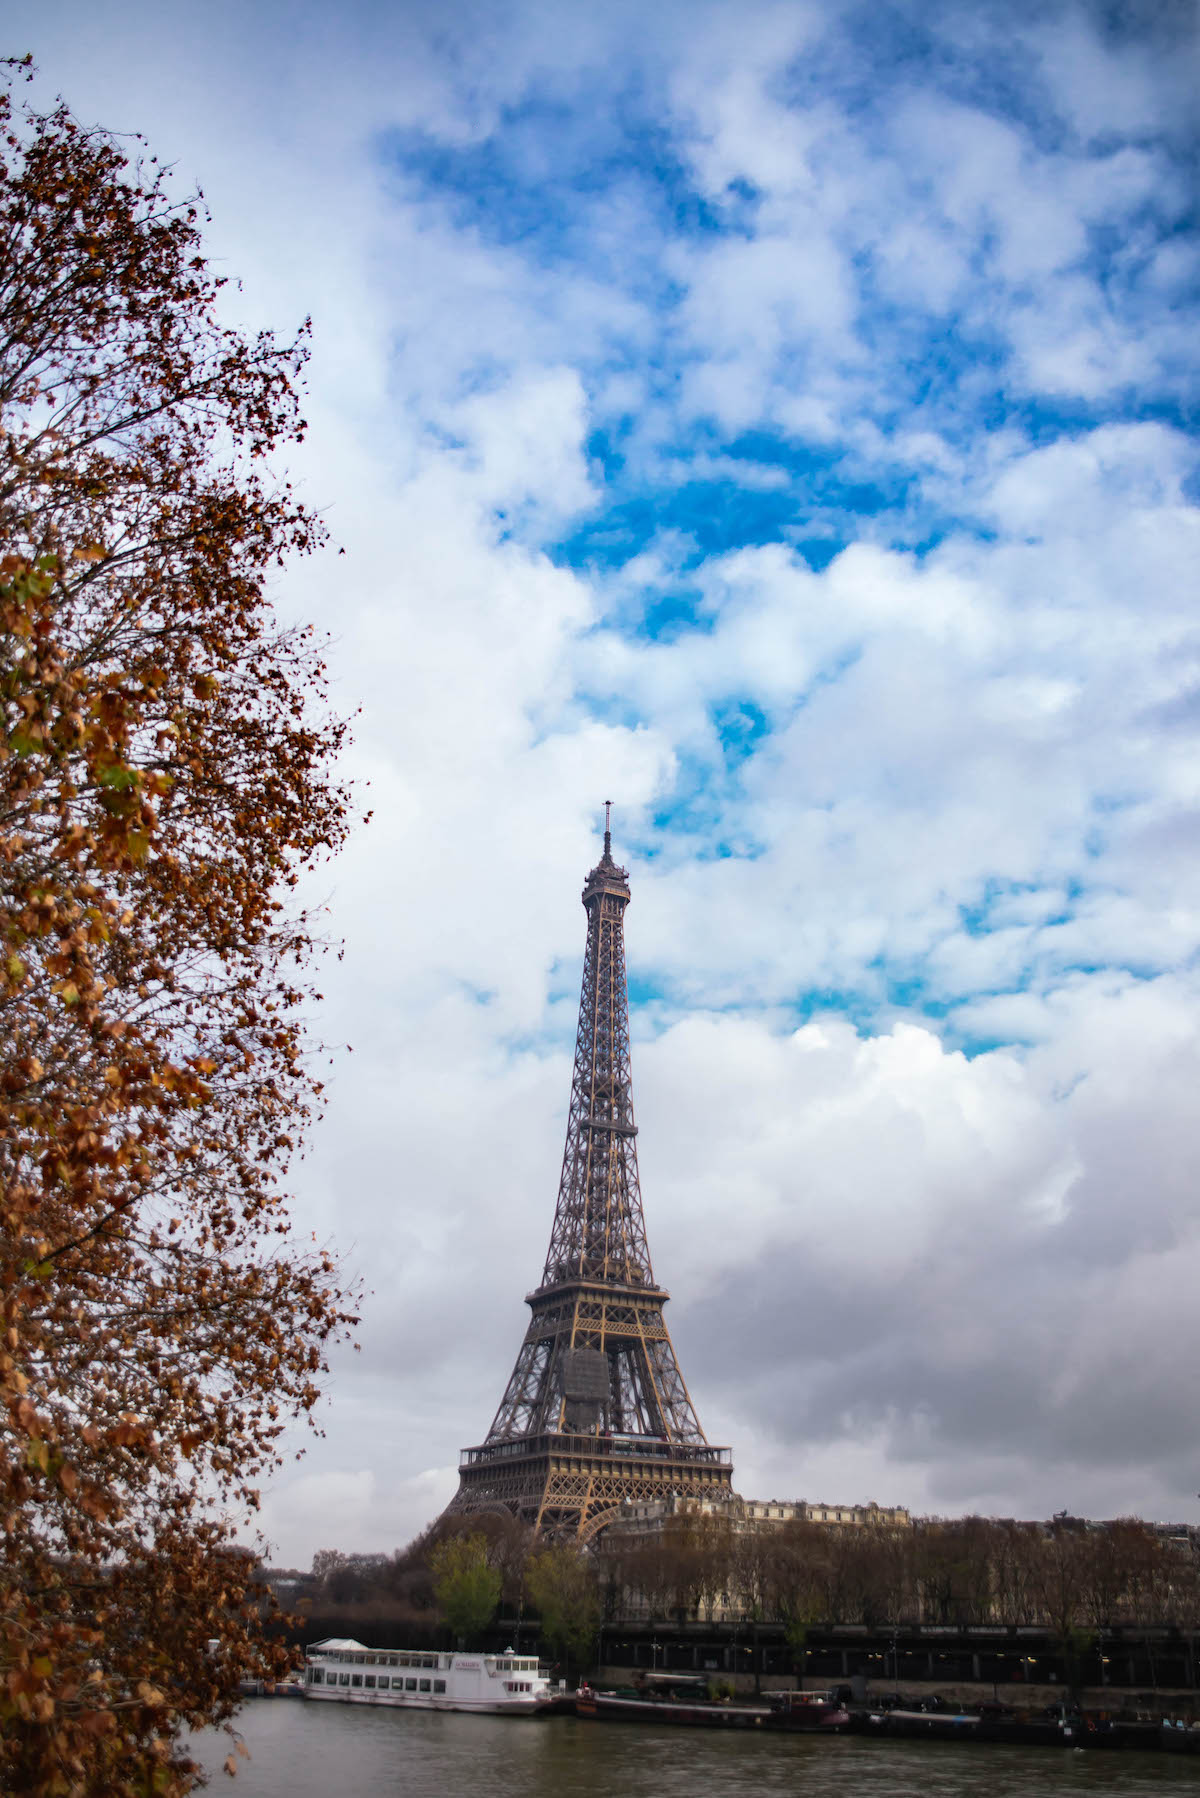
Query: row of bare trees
(1065,1576)
(966,1571)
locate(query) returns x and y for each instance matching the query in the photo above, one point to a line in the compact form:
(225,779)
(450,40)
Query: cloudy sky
(778,419)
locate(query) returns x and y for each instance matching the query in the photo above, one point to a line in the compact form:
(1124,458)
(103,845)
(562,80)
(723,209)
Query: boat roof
(340,1645)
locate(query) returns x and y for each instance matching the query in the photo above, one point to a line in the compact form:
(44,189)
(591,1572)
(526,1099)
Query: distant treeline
(1064,1576)
(1067,1574)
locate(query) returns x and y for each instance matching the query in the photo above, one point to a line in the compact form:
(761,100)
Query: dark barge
(690,1704)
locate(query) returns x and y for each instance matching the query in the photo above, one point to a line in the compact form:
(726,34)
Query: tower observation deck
(596,1410)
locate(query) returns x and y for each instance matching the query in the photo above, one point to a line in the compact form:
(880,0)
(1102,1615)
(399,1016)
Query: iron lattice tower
(596,1411)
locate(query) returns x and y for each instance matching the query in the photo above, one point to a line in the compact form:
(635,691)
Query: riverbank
(1014,1659)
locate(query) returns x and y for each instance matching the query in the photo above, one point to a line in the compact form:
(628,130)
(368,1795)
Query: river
(300,1750)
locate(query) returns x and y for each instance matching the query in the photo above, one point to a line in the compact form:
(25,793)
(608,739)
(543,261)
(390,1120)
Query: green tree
(465,1583)
(563,1590)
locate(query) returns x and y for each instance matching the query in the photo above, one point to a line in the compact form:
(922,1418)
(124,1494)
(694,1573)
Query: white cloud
(955,1282)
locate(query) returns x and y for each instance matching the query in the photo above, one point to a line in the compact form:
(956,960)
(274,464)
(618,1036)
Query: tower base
(572,1486)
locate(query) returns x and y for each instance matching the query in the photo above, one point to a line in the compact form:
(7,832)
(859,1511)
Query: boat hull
(1095,1732)
(403,1701)
(700,1714)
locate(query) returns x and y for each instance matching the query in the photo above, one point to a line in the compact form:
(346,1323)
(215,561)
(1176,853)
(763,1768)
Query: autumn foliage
(165,780)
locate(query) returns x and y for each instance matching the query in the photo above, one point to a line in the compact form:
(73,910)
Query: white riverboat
(342,1671)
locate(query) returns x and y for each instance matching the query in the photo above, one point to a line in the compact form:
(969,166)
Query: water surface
(303,1750)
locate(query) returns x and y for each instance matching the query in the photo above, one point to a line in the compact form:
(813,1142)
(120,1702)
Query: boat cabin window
(356,1679)
(439,1685)
(425,1685)
(345,1679)
(410,1685)
(429,1660)
(369,1680)
(316,1676)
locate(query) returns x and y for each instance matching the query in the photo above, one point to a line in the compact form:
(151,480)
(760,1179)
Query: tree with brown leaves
(164,783)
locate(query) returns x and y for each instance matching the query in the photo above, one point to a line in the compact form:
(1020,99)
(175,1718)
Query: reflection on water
(333,1751)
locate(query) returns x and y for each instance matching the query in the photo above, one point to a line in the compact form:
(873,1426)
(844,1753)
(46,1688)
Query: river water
(302,1750)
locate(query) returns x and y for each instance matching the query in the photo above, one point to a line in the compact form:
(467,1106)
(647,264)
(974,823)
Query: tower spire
(596,1409)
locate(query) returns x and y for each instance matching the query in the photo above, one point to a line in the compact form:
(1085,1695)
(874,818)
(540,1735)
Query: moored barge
(688,1702)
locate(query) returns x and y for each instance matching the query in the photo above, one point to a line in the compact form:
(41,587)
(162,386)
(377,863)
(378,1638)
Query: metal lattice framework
(596,1410)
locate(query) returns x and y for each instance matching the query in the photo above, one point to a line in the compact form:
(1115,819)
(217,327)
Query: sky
(780,420)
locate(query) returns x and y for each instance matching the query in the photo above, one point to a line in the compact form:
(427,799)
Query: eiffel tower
(596,1411)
